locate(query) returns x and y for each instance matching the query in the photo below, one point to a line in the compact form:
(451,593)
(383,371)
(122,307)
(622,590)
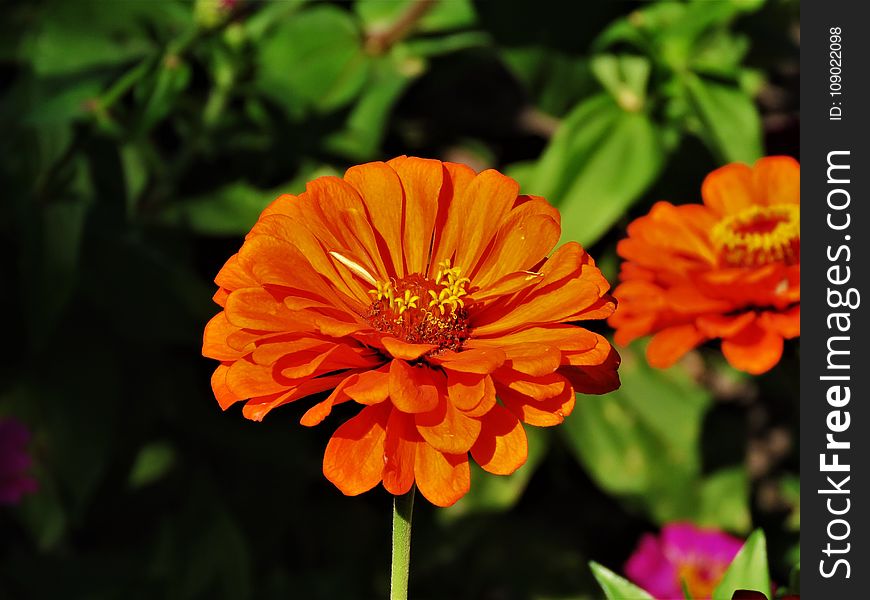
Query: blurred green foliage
(141,139)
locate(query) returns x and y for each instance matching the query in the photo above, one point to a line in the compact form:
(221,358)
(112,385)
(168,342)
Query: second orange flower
(728,268)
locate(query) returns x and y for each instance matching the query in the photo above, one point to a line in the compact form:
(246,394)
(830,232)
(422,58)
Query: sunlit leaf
(748,570)
(616,587)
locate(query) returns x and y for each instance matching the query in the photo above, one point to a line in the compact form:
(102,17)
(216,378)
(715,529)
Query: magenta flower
(683,552)
(14,462)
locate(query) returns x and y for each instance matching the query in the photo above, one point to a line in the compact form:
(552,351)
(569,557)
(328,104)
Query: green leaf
(497,494)
(724,500)
(616,587)
(153,462)
(171,79)
(313,60)
(730,124)
(600,161)
(748,570)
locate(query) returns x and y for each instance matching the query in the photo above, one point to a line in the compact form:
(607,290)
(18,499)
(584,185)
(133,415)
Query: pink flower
(683,552)
(14,462)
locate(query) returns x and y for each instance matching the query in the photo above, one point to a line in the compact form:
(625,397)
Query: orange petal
(465,390)
(447,429)
(247,380)
(382,193)
(477,360)
(777,180)
(539,413)
(594,378)
(354,457)
(214,339)
(669,345)
(405,350)
(317,413)
(533,359)
(485,204)
(255,308)
(502,447)
(713,326)
(449,226)
(399,452)
(441,478)
(412,389)
(370,387)
(539,388)
(787,324)
(486,402)
(754,350)
(421,180)
(233,277)
(346,216)
(222,392)
(729,189)
(257,408)
(526,237)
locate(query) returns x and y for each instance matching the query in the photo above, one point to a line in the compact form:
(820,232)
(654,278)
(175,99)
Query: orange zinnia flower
(423,292)
(729,269)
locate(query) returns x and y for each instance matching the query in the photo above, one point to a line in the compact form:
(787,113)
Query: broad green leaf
(748,570)
(491,493)
(616,587)
(314,59)
(153,462)
(600,161)
(729,121)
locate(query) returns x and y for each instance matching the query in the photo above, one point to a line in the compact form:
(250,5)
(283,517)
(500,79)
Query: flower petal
(754,350)
(777,180)
(412,389)
(441,478)
(354,457)
(447,428)
(370,387)
(729,189)
(405,350)
(502,447)
(669,345)
(400,450)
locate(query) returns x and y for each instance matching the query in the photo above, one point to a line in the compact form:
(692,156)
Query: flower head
(682,554)
(426,294)
(728,268)
(14,462)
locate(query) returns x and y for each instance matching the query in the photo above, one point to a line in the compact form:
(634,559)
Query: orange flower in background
(426,294)
(729,269)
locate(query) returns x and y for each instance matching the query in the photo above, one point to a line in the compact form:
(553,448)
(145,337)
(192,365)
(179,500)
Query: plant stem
(379,42)
(403,506)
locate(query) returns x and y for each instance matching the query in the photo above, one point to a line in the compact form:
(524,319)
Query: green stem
(403,506)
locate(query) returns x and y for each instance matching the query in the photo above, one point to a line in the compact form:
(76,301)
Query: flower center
(759,235)
(419,310)
(700,578)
